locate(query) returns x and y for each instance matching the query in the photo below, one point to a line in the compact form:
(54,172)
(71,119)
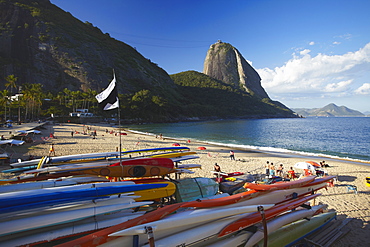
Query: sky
(308,53)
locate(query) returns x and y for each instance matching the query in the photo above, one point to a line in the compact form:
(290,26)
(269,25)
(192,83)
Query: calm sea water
(342,137)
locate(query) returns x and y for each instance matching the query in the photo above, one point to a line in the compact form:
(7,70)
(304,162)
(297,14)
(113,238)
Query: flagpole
(120,136)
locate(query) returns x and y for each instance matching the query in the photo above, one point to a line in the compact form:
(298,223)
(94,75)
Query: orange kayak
(281,185)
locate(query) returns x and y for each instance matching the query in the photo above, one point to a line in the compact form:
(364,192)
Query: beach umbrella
(201,148)
(176,144)
(304,165)
(313,163)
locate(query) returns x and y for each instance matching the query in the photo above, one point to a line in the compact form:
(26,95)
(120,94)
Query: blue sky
(308,53)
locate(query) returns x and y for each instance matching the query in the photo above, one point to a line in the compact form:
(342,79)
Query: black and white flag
(108,99)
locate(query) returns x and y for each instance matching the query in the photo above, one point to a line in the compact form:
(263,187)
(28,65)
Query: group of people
(272,171)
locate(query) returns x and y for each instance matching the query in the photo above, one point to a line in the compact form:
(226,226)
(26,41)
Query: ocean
(332,137)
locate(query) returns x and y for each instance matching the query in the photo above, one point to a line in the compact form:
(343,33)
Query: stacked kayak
(46,214)
(220,221)
(148,163)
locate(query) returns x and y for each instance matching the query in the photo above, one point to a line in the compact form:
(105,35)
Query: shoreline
(284,153)
(346,203)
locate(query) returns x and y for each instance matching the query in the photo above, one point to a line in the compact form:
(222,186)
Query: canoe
(19,198)
(46,236)
(269,213)
(190,189)
(289,234)
(182,219)
(281,185)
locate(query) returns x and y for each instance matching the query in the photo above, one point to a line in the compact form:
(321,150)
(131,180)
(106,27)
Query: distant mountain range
(331,110)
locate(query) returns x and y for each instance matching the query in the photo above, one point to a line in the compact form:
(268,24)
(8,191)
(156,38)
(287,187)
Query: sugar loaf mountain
(70,61)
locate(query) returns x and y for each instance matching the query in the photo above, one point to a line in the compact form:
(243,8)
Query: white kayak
(38,221)
(50,233)
(249,238)
(188,217)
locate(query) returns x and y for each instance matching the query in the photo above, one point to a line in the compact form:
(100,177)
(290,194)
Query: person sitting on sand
(291,173)
(217,168)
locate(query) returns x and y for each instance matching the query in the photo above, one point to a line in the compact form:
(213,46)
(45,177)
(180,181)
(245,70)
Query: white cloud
(321,74)
(338,87)
(364,89)
(311,43)
(336,43)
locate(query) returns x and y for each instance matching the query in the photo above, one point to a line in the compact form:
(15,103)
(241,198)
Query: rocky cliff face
(224,62)
(40,43)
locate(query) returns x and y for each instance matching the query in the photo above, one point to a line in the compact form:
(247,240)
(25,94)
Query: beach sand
(347,204)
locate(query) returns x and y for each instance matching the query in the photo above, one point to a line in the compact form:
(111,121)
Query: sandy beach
(347,204)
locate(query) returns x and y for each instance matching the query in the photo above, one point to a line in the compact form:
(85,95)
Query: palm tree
(32,94)
(11,79)
(4,99)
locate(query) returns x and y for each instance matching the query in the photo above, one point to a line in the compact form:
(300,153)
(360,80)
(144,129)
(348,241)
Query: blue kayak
(24,197)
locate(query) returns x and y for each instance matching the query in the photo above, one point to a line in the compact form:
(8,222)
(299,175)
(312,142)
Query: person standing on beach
(272,170)
(232,155)
(279,170)
(51,150)
(267,166)
(72,133)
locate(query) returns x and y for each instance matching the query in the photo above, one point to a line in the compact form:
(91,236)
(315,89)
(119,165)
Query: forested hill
(55,56)
(210,97)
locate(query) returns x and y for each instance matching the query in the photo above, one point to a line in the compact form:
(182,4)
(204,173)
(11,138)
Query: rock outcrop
(224,62)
